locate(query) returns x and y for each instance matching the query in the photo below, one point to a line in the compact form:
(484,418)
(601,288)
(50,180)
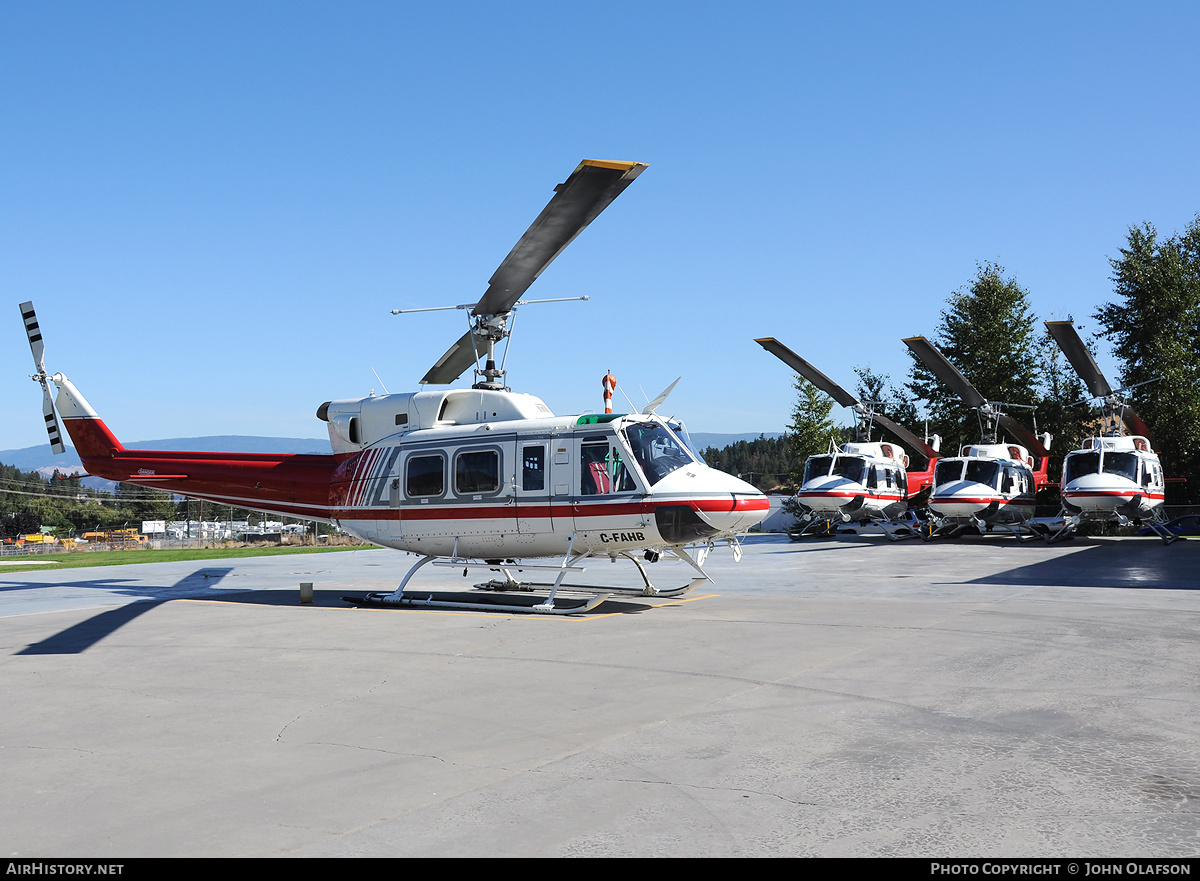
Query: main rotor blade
(1028,439)
(945,371)
(35,337)
(1081,359)
(451,365)
(576,203)
(52,428)
(907,436)
(1130,417)
(812,374)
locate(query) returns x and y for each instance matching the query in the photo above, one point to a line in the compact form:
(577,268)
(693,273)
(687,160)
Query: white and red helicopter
(471,477)
(861,482)
(1113,477)
(990,484)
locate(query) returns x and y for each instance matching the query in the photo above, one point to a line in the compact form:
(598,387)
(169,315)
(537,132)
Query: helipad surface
(844,697)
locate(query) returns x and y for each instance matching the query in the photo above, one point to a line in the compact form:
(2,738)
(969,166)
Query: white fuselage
(1112,477)
(531,486)
(988,483)
(863,481)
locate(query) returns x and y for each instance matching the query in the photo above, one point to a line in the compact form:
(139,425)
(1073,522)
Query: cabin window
(593,476)
(533,468)
(425,476)
(477,472)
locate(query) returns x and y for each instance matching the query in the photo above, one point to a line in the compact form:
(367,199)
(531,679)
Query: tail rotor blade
(34,333)
(52,428)
(38,348)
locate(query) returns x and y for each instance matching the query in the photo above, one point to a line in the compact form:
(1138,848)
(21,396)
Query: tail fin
(88,432)
(1041,476)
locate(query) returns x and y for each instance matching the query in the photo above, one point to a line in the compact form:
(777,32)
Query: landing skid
(510,584)
(393,600)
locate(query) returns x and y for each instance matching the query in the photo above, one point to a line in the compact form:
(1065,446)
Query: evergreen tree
(1154,326)
(987,332)
(812,428)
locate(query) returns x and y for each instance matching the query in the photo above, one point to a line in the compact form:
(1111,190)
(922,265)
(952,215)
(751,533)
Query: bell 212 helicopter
(865,481)
(469,477)
(1114,477)
(989,484)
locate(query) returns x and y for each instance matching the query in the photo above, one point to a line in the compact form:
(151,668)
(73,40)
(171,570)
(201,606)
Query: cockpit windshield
(656,449)
(817,466)
(1121,464)
(947,470)
(983,472)
(1079,464)
(850,467)
(681,434)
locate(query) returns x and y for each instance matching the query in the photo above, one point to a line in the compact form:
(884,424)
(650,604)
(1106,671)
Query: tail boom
(284,483)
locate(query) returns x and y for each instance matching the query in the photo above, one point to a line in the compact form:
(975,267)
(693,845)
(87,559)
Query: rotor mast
(576,202)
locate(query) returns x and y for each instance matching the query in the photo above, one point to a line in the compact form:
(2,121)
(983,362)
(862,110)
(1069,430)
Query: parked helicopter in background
(478,477)
(990,484)
(1112,477)
(865,481)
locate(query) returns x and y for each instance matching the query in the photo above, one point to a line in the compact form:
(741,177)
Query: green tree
(987,332)
(891,402)
(1154,326)
(762,462)
(812,428)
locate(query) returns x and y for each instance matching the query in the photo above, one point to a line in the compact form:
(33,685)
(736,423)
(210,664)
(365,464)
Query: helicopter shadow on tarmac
(1142,564)
(80,637)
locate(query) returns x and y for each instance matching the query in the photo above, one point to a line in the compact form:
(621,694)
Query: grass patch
(84,559)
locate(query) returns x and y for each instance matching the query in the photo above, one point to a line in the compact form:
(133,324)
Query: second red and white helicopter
(864,481)
(989,485)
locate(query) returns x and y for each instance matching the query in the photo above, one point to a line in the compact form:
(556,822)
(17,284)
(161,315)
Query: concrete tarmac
(844,697)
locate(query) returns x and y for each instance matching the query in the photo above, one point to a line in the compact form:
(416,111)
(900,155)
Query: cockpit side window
(603,471)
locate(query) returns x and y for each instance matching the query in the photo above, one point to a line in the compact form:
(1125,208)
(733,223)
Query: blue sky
(214,206)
